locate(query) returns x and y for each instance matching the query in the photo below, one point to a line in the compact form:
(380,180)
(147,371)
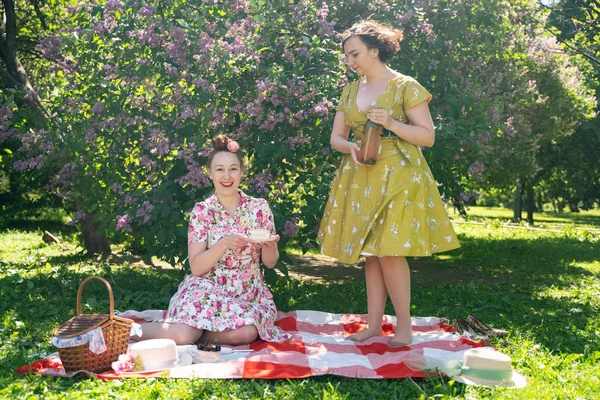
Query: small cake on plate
(208,352)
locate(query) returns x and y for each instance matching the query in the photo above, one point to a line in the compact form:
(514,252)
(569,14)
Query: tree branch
(11,25)
(576,49)
(40,14)
(566,43)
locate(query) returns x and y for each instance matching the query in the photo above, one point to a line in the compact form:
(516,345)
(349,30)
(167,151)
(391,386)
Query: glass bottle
(369,146)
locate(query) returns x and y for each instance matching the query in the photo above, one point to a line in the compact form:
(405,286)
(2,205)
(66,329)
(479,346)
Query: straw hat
(488,367)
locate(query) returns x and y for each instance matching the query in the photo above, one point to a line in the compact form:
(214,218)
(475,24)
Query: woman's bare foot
(364,335)
(402,337)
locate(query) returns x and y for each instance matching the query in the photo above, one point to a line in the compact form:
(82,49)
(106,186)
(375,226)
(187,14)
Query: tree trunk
(460,208)
(530,203)
(94,242)
(517,207)
(15,75)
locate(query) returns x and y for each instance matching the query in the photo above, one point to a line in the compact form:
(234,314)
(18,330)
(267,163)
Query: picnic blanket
(318,347)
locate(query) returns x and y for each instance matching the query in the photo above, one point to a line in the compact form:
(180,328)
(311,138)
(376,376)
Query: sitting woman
(225,299)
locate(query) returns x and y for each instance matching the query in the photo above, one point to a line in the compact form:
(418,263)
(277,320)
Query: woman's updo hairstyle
(223,143)
(376,36)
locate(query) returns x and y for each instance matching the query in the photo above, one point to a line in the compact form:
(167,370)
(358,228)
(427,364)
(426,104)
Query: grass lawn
(541,285)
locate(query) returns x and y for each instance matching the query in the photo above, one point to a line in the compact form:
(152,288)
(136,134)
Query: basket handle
(110,294)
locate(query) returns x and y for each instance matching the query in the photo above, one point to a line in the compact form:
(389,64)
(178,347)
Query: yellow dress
(392,208)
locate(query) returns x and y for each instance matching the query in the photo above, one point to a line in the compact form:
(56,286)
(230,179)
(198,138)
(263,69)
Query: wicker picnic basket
(115,330)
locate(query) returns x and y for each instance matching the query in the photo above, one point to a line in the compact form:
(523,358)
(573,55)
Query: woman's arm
(419,132)
(339,137)
(269,253)
(203,260)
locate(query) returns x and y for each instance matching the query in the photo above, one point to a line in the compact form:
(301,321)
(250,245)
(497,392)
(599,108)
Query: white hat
(488,367)
(159,354)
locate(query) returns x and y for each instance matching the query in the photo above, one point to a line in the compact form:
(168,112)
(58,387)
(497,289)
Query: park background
(107,109)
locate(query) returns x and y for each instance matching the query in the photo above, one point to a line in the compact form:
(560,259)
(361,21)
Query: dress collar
(213,200)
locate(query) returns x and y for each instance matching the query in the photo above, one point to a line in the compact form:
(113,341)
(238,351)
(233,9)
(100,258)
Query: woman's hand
(353,149)
(234,241)
(381,117)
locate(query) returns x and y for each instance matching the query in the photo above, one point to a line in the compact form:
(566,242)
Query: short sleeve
(343,98)
(199,224)
(264,216)
(415,94)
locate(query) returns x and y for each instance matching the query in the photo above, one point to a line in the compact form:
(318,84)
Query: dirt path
(324,269)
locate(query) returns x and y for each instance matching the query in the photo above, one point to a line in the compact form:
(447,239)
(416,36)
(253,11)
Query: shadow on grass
(27,225)
(577,218)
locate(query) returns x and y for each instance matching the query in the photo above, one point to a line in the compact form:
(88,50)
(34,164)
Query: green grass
(544,219)
(543,286)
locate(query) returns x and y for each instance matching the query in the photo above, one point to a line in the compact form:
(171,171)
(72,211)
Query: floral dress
(232,294)
(392,208)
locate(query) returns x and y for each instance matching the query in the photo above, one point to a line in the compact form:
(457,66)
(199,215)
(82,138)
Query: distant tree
(573,162)
(576,23)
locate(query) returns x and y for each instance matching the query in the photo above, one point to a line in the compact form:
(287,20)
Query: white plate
(197,360)
(261,240)
(224,351)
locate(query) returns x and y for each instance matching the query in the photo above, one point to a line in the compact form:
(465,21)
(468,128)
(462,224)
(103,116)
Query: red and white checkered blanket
(318,347)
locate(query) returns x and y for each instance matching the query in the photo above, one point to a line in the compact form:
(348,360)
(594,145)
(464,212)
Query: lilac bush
(139,88)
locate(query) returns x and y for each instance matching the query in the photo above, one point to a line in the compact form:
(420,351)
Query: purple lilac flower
(326,28)
(495,116)
(464,197)
(290,228)
(123,222)
(484,139)
(195,177)
(295,142)
(425,27)
(79,215)
(323,12)
(90,134)
(99,108)
(241,5)
(509,129)
(261,182)
(188,112)
(145,213)
(147,11)
(405,17)
(50,47)
(113,5)
(323,107)
(476,169)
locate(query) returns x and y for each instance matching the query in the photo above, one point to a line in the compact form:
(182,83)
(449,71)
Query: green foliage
(139,88)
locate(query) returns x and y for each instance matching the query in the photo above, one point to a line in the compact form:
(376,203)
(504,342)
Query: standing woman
(392,209)
(224,300)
